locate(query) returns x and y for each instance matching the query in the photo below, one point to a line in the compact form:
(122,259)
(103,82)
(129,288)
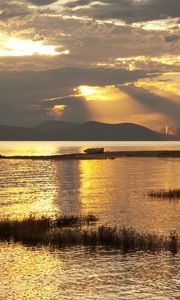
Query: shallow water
(114,190)
(75,273)
(53,148)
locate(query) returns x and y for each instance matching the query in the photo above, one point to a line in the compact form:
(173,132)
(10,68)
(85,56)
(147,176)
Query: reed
(34,229)
(71,221)
(31,229)
(45,231)
(166,194)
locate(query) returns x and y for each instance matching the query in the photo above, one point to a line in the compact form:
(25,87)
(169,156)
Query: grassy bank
(68,231)
(166,194)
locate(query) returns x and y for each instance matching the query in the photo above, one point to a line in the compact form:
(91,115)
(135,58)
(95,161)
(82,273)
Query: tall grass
(70,221)
(37,230)
(31,230)
(61,233)
(169,194)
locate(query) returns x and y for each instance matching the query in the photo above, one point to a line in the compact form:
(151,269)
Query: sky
(111,61)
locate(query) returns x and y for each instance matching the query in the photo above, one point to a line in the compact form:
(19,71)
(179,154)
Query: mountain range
(88,131)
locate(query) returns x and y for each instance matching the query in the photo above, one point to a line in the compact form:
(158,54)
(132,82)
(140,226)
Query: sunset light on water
(89,149)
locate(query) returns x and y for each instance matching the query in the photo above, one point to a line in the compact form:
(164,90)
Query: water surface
(55,148)
(114,190)
(28,274)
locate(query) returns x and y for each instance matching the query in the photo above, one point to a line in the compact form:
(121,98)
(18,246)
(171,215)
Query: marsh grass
(38,230)
(166,194)
(63,232)
(31,230)
(71,221)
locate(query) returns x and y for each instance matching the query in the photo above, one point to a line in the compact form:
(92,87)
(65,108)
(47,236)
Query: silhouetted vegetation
(65,231)
(70,221)
(32,230)
(170,194)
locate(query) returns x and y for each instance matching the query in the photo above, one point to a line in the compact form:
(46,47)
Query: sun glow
(18,47)
(95,93)
(140,62)
(167,82)
(157,25)
(56,111)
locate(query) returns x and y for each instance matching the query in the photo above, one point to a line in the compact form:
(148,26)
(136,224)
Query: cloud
(127,103)
(103,50)
(128,10)
(75,110)
(66,77)
(172,38)
(24,91)
(42,2)
(11,10)
(90,42)
(155,103)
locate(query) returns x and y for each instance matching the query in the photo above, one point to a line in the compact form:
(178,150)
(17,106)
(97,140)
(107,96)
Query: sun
(93,92)
(11,46)
(87,90)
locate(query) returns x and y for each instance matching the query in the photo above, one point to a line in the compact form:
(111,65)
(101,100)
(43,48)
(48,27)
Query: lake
(116,191)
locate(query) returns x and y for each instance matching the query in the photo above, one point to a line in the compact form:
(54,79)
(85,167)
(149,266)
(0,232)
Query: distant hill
(13,133)
(95,131)
(89,131)
(55,125)
(178,132)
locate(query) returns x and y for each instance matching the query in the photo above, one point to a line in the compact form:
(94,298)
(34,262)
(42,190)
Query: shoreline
(105,155)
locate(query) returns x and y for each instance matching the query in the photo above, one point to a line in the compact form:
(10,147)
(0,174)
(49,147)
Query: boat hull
(94,150)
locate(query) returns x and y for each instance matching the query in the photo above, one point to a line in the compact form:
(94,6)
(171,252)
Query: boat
(94,150)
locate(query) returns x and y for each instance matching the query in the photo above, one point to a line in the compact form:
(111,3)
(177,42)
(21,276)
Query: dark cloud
(74,4)
(26,90)
(5,109)
(65,77)
(127,10)
(155,103)
(42,2)
(157,109)
(91,44)
(172,38)
(76,108)
(10,10)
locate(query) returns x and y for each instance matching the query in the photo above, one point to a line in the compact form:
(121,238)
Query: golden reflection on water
(95,184)
(68,186)
(115,190)
(28,274)
(11,148)
(27,187)
(28,148)
(41,274)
